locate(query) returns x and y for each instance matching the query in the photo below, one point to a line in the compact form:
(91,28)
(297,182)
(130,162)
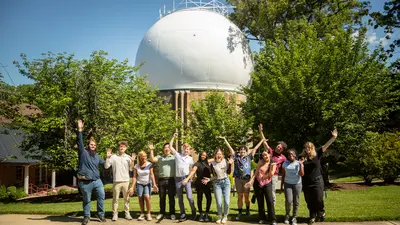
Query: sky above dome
(81,27)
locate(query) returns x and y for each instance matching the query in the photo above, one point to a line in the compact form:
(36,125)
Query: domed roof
(195,49)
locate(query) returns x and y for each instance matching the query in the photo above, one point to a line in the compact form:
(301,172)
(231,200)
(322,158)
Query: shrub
(11,189)
(3,193)
(63,191)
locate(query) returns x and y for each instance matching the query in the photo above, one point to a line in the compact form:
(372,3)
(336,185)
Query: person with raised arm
(121,164)
(292,171)
(89,176)
(313,182)
(145,180)
(221,168)
(277,157)
(202,169)
(166,179)
(262,184)
(242,173)
(183,163)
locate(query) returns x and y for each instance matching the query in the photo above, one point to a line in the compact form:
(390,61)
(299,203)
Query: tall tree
(276,19)
(113,101)
(302,87)
(217,116)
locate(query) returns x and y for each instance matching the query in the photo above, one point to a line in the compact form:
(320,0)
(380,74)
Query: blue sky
(80,27)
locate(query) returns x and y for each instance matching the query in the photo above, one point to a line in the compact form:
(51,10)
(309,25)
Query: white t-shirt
(121,165)
(143,174)
(182,165)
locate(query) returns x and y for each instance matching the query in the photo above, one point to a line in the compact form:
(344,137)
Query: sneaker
(219,220)
(201,217)
(321,218)
(311,221)
(148,217)
(294,221)
(160,217)
(206,219)
(247,212)
(115,217)
(286,219)
(102,219)
(253,199)
(141,217)
(173,217)
(261,222)
(238,216)
(86,220)
(274,223)
(194,215)
(182,218)
(223,221)
(128,216)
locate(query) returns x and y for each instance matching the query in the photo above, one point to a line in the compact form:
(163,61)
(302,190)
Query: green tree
(303,87)
(276,19)
(9,100)
(217,116)
(113,101)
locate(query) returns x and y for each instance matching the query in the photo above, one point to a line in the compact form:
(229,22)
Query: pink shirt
(262,174)
(279,159)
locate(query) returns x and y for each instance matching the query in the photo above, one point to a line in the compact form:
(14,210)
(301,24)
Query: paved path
(14,219)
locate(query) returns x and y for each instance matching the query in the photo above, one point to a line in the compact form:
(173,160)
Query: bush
(3,193)
(11,189)
(377,157)
(63,191)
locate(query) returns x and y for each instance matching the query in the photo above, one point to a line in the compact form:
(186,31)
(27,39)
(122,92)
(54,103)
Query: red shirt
(278,158)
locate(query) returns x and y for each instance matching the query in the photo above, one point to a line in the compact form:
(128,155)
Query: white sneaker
(141,217)
(148,217)
(261,222)
(115,217)
(287,217)
(223,221)
(173,217)
(128,216)
(219,220)
(160,216)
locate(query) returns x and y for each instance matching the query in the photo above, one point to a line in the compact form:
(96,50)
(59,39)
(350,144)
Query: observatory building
(193,50)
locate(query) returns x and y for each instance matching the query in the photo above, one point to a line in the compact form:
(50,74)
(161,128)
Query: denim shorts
(143,189)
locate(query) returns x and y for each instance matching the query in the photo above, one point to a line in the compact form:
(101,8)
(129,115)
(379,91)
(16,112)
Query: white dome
(195,49)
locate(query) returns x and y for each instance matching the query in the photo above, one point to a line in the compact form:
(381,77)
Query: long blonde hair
(310,145)
(140,154)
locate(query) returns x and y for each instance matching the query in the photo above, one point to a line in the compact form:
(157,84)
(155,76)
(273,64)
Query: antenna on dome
(212,5)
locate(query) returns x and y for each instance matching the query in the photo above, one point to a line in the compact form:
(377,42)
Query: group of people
(176,170)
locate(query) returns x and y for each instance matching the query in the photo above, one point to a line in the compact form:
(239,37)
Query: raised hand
(334,133)
(222,137)
(80,125)
(150,146)
(260,127)
(109,153)
(133,156)
(175,135)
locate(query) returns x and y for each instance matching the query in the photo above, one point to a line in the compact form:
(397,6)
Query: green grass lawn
(375,203)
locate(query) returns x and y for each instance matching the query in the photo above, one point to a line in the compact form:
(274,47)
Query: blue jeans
(86,188)
(222,188)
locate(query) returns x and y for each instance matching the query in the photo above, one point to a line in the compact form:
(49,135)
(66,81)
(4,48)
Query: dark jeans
(206,190)
(167,185)
(262,193)
(314,194)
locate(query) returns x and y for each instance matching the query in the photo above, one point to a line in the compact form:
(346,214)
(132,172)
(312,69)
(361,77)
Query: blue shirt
(292,170)
(88,161)
(242,166)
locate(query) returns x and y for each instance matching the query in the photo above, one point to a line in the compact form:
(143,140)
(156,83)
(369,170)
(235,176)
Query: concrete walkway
(14,219)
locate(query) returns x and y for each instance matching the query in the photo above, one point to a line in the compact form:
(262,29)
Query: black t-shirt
(312,168)
(203,170)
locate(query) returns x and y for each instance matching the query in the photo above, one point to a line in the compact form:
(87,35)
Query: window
(20,174)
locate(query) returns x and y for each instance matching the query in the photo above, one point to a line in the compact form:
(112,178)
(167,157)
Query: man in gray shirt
(166,179)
